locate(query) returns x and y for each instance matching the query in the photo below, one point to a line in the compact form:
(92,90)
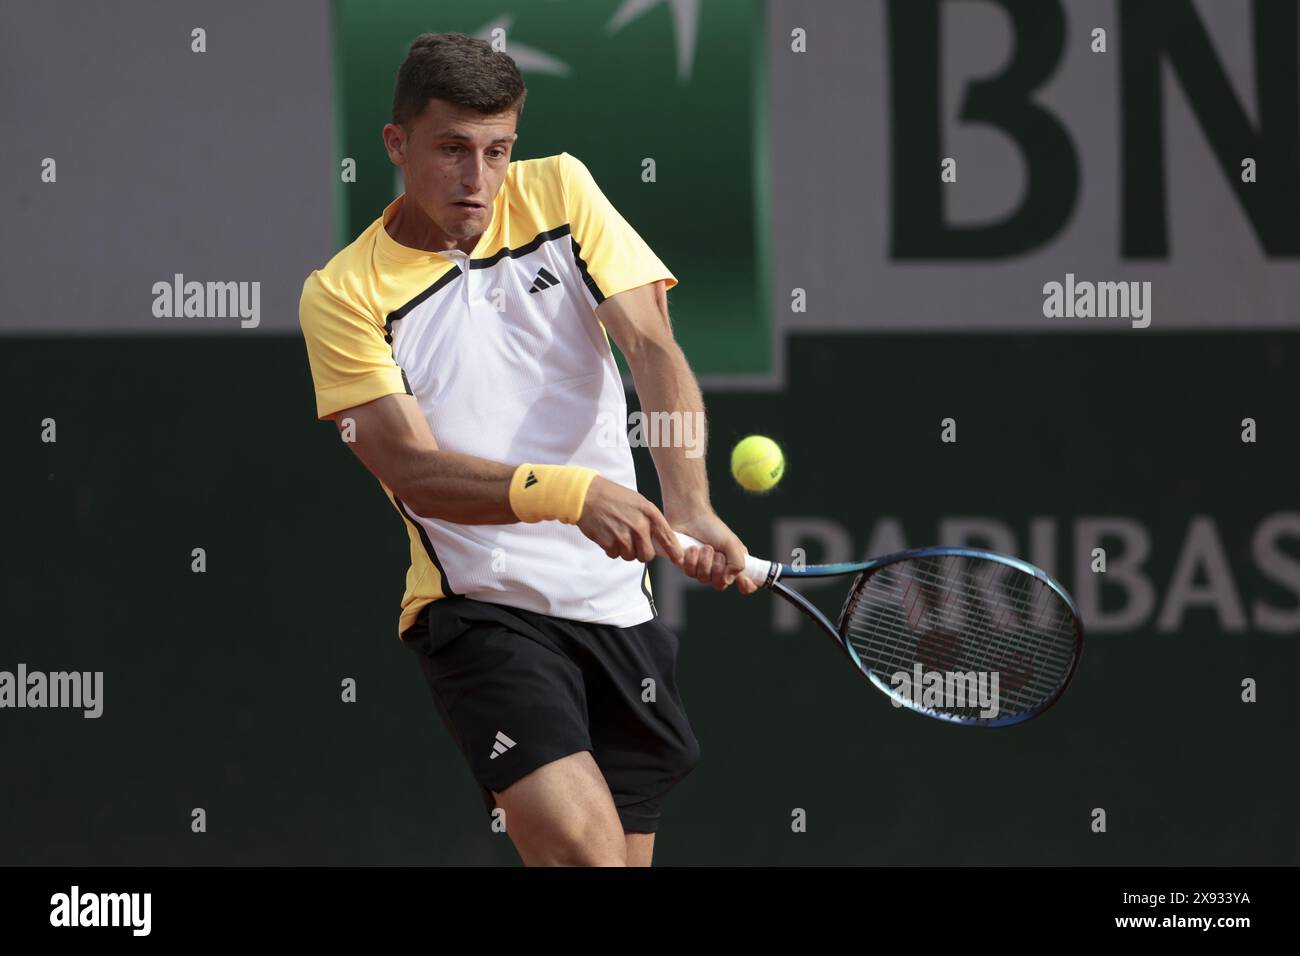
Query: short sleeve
(612,256)
(351,360)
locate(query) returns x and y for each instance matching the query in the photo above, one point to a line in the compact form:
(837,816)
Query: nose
(472,171)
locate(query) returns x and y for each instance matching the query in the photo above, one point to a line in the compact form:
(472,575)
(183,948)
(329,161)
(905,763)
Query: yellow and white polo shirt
(503,351)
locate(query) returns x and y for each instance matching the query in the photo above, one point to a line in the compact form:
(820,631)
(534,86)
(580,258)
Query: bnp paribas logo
(530,59)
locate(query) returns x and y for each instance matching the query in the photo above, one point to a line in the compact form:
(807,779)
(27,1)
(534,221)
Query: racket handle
(756,569)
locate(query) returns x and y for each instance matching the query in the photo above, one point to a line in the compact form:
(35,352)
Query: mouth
(469,204)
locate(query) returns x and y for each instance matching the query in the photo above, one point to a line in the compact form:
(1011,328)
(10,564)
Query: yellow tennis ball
(757,463)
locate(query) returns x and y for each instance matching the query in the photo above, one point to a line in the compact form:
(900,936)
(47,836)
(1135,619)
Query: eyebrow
(457,134)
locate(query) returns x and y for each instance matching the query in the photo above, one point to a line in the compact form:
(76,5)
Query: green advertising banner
(615,84)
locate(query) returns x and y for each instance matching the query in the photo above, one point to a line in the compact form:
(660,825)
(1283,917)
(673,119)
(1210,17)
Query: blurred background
(835,294)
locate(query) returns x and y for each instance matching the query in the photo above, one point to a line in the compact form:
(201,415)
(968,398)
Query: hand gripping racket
(959,634)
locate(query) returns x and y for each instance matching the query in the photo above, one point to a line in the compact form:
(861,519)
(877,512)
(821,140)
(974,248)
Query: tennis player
(460,345)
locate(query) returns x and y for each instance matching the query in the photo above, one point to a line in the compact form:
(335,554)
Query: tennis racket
(959,634)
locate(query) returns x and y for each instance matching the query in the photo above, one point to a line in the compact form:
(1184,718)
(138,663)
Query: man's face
(454,161)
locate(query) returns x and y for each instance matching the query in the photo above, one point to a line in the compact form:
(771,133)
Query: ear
(395,139)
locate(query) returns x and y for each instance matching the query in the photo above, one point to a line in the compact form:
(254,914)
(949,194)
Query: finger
(645,546)
(746,585)
(704,569)
(718,577)
(665,538)
(736,555)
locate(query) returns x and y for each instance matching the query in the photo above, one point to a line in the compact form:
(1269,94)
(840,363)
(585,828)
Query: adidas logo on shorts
(502,744)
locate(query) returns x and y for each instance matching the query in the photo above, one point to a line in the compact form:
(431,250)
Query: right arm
(393,440)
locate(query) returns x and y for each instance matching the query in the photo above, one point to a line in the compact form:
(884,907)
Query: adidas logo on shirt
(502,744)
(544,280)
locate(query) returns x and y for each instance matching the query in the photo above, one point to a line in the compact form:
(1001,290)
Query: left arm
(637,320)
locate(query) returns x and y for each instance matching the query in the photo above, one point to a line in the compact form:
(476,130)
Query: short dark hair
(460,69)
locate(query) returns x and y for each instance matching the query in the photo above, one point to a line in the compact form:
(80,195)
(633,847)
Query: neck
(413,229)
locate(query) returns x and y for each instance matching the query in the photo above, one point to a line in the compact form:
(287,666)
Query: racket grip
(756,569)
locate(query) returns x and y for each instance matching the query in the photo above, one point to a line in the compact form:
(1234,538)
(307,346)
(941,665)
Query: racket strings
(960,646)
(959,614)
(1005,645)
(1001,638)
(1017,693)
(942,587)
(883,639)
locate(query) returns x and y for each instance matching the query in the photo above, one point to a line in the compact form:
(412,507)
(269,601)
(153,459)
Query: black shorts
(519,689)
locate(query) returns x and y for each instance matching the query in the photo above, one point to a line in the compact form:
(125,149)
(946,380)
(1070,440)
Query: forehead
(445,120)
